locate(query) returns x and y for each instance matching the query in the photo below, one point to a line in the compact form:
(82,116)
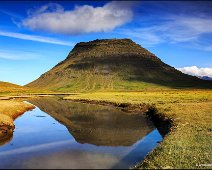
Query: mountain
(206,78)
(6,87)
(113,65)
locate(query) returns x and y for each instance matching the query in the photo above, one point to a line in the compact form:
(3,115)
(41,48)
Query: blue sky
(36,35)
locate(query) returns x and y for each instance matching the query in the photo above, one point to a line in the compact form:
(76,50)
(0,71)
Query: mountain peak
(114,47)
(107,41)
(112,64)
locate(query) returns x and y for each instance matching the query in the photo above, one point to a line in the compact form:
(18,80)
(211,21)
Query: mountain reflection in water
(64,134)
(5,138)
(95,124)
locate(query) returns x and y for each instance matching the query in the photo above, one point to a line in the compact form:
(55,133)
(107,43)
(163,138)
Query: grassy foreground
(188,144)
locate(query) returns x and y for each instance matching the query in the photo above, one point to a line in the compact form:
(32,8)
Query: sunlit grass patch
(10,110)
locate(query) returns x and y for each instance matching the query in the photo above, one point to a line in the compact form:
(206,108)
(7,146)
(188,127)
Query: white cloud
(172,29)
(82,19)
(194,70)
(11,14)
(18,55)
(182,29)
(145,35)
(35,38)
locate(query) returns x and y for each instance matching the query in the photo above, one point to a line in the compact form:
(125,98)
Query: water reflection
(5,137)
(64,134)
(94,124)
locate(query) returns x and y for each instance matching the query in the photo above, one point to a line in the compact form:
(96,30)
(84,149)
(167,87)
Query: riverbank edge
(163,124)
(7,123)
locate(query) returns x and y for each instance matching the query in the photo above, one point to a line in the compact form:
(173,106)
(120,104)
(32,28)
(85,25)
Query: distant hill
(6,87)
(113,65)
(206,78)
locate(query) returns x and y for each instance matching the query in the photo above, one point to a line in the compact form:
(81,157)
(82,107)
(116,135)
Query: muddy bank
(163,124)
(128,107)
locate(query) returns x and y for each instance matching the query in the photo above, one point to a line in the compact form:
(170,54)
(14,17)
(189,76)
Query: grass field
(188,144)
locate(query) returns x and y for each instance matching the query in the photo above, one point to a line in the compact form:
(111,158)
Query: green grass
(87,81)
(189,141)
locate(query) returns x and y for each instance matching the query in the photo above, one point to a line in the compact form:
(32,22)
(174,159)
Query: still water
(65,134)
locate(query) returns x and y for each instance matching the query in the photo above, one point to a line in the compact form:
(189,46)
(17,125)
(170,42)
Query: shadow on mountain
(134,67)
(95,124)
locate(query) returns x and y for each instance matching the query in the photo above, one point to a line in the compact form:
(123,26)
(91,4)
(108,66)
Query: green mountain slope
(113,65)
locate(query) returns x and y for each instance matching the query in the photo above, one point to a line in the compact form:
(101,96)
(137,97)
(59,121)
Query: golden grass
(6,87)
(189,142)
(9,89)
(10,110)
